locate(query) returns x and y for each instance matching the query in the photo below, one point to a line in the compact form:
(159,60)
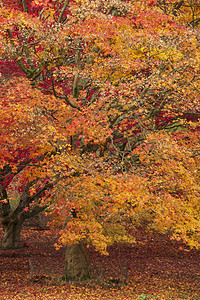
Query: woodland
(99,149)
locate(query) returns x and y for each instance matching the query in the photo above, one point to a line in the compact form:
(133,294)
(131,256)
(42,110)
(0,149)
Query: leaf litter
(153,268)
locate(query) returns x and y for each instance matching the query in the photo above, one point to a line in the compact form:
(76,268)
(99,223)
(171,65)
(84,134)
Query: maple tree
(100,114)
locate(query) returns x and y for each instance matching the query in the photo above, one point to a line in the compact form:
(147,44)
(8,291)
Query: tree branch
(63,97)
(62,11)
(25,6)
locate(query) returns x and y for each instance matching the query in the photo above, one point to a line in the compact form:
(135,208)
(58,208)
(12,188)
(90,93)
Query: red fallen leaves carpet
(154,268)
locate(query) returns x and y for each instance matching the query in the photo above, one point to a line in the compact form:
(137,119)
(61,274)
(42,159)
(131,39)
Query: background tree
(106,89)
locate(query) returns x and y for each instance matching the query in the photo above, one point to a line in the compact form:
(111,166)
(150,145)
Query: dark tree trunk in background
(12,224)
(12,234)
(12,220)
(38,220)
(77,264)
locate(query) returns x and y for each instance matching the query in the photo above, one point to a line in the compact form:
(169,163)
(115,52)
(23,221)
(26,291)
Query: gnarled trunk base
(77,265)
(12,234)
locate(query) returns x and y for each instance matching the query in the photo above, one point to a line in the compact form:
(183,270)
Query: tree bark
(12,234)
(77,264)
(38,220)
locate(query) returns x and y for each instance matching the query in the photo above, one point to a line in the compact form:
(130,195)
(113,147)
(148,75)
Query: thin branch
(63,97)
(25,8)
(40,14)
(62,11)
(18,61)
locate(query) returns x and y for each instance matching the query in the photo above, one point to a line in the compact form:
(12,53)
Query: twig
(32,268)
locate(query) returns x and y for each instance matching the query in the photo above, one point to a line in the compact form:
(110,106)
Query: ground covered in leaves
(153,268)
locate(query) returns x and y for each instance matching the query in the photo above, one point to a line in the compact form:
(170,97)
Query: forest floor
(153,268)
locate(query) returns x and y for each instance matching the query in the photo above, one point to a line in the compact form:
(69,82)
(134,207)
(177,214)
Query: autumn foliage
(100,114)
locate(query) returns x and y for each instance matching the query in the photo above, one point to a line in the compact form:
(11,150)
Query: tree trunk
(12,234)
(77,264)
(38,220)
